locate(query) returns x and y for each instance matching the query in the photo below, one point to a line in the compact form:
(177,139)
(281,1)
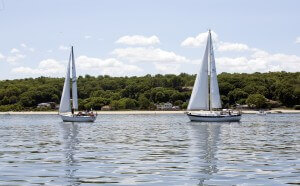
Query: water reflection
(70,141)
(149,150)
(205,140)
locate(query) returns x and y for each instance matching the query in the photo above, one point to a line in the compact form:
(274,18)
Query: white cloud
(84,64)
(258,53)
(199,40)
(226,46)
(167,68)
(255,60)
(297,40)
(138,40)
(23,45)
(259,61)
(31,49)
(14,50)
(2,57)
(62,47)
(87,37)
(149,54)
(15,58)
(110,66)
(48,67)
(227,64)
(26,47)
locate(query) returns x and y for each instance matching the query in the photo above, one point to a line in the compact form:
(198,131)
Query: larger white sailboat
(205,98)
(67,114)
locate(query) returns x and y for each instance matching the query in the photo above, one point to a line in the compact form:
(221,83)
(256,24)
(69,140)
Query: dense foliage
(257,90)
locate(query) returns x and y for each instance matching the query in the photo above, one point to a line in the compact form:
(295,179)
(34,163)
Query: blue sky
(131,37)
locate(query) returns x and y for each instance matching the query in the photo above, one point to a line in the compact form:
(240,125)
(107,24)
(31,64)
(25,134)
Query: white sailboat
(67,114)
(205,98)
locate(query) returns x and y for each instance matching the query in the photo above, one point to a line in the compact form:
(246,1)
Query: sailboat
(67,114)
(205,102)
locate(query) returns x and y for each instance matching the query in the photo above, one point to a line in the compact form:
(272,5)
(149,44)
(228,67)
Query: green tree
(184,105)
(235,95)
(256,101)
(144,103)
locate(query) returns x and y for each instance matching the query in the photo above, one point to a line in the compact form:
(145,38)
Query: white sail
(65,105)
(199,97)
(215,100)
(74,82)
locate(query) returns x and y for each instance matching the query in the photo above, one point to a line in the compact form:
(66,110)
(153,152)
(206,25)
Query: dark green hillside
(271,89)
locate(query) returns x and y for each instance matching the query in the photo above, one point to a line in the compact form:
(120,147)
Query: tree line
(257,90)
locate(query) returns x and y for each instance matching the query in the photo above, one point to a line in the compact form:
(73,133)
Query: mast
(74,83)
(209,72)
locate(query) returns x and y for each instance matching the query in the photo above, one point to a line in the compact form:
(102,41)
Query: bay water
(150,149)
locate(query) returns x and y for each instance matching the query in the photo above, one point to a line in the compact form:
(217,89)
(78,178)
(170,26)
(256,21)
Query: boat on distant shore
(261,112)
(67,114)
(205,102)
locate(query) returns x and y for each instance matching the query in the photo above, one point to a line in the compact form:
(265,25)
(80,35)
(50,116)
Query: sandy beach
(148,112)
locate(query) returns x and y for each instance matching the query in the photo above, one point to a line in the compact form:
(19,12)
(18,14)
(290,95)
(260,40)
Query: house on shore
(164,106)
(51,105)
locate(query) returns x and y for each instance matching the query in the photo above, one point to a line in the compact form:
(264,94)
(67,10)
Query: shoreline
(275,111)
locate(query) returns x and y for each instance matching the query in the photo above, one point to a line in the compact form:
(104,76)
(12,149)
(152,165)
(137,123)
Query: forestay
(199,97)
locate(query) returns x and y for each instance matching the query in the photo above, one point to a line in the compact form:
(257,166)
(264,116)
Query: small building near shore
(238,106)
(175,108)
(106,108)
(51,105)
(164,106)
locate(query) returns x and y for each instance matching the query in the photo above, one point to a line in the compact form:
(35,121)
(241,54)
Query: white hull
(214,118)
(74,118)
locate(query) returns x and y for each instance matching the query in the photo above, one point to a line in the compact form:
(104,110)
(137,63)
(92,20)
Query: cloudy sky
(138,37)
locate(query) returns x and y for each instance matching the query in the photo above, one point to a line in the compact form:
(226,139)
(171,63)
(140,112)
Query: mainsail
(74,82)
(215,100)
(202,91)
(65,105)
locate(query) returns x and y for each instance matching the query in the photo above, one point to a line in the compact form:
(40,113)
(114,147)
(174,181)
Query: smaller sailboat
(67,114)
(205,102)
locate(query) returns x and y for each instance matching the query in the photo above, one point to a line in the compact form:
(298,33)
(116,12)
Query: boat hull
(214,118)
(74,118)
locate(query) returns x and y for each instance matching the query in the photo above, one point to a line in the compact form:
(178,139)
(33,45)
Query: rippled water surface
(149,150)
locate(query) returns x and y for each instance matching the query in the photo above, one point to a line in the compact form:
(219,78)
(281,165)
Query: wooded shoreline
(247,91)
(276,111)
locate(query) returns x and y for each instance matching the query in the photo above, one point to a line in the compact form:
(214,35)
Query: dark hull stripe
(227,116)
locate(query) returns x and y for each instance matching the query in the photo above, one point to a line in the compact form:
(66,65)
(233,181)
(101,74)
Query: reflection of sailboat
(205,95)
(206,137)
(70,141)
(65,105)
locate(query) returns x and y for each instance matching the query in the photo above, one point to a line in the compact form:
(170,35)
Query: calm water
(149,150)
